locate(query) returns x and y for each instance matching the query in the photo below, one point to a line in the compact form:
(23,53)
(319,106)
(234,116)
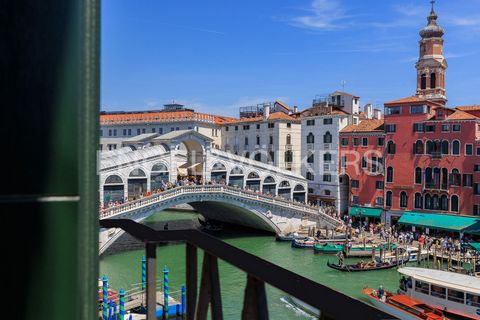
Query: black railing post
(191,276)
(151,281)
(255,300)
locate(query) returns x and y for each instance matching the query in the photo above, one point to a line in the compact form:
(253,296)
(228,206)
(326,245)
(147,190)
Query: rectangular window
(101,134)
(344,161)
(364,142)
(418,127)
(144,130)
(390,128)
(236,128)
(468,149)
(379,185)
(364,162)
(476,209)
(139,131)
(430,128)
(344,142)
(271,154)
(379,201)
(246,127)
(374,165)
(311,122)
(476,167)
(327,177)
(124,132)
(355,183)
(153,130)
(172,129)
(455,127)
(130,132)
(418,109)
(356,141)
(177,128)
(271,125)
(457,296)
(476,188)
(226,128)
(467,179)
(327,121)
(289,125)
(258,126)
(380,142)
(160,130)
(478,151)
(109,132)
(393,110)
(445,128)
(354,199)
(114,132)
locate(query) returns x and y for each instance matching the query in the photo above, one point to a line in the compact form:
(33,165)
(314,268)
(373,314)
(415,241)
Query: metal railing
(209,189)
(200,295)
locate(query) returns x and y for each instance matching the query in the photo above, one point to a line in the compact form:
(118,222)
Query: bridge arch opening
(218,173)
(299,193)
(113,189)
(285,190)
(159,177)
(270,186)
(236,178)
(253,181)
(137,183)
(190,160)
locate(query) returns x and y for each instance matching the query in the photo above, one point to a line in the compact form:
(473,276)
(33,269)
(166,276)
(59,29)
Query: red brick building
(431,155)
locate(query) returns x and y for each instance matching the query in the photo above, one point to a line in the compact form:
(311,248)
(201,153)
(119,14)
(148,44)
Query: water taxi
(442,289)
(407,308)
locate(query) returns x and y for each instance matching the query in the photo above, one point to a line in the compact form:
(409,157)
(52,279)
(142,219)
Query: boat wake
(299,312)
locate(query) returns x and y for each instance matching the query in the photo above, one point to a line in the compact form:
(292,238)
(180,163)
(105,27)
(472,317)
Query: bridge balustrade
(198,189)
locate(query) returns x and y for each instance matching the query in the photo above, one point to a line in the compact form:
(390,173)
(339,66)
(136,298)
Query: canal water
(124,269)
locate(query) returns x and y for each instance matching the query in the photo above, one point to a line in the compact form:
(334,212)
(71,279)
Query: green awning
(472,245)
(439,221)
(364,212)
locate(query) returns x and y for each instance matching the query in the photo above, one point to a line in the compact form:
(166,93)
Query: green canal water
(124,269)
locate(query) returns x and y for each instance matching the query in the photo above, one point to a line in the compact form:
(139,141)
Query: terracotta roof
(469,108)
(406,100)
(367,125)
(461,115)
(117,118)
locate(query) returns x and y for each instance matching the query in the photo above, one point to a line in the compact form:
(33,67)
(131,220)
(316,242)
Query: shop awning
(440,221)
(472,245)
(365,212)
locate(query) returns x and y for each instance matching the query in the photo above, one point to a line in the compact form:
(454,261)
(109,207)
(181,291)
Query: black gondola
(367,266)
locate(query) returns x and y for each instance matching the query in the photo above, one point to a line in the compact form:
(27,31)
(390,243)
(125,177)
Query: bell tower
(431,65)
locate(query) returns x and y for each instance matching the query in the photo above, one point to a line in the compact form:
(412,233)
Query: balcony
(436,155)
(206,293)
(310,146)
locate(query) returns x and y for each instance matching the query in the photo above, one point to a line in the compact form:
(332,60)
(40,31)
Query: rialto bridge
(147,176)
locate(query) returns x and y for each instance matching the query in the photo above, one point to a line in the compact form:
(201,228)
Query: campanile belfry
(431,64)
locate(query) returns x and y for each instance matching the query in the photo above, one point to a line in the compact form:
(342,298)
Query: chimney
(266,112)
(377,114)
(368,110)
(295,109)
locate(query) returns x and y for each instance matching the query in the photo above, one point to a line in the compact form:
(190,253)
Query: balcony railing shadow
(332,304)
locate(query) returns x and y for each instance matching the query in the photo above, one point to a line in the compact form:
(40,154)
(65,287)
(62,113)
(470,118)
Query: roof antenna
(432,2)
(343,85)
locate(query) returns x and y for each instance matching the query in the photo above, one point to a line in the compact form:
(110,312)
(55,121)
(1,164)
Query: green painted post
(122,304)
(144,273)
(165,292)
(105,296)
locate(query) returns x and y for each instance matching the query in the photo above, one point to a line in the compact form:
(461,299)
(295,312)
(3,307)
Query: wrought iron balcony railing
(331,303)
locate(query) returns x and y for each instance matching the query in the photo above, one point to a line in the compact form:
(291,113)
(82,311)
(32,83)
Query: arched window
(269,179)
(428,201)
(311,158)
(388,200)
(284,184)
(419,147)
(423,82)
(389,174)
(430,146)
(444,203)
(310,176)
(445,147)
(436,177)
(456,147)
(444,179)
(289,139)
(418,175)
(433,80)
(219,167)
(246,141)
(418,204)
(327,137)
(435,202)
(299,187)
(253,175)
(114,179)
(310,138)
(288,156)
(327,157)
(137,173)
(390,147)
(428,177)
(236,170)
(455,178)
(403,199)
(454,203)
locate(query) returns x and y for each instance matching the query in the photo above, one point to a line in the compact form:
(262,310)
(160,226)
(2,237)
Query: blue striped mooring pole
(144,273)
(165,291)
(105,296)
(183,300)
(122,304)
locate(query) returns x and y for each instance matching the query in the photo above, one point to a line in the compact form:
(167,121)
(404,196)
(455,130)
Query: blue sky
(217,56)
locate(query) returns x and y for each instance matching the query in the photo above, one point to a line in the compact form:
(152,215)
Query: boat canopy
(364,212)
(441,221)
(451,280)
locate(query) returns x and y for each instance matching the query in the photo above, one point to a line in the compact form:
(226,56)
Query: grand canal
(123,269)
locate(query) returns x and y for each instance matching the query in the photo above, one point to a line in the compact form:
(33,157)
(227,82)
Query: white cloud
(323,15)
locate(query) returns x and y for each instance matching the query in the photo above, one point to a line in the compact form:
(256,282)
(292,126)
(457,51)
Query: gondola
(366,266)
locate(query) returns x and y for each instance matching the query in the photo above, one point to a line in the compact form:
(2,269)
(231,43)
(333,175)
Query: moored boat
(328,248)
(443,289)
(404,307)
(303,243)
